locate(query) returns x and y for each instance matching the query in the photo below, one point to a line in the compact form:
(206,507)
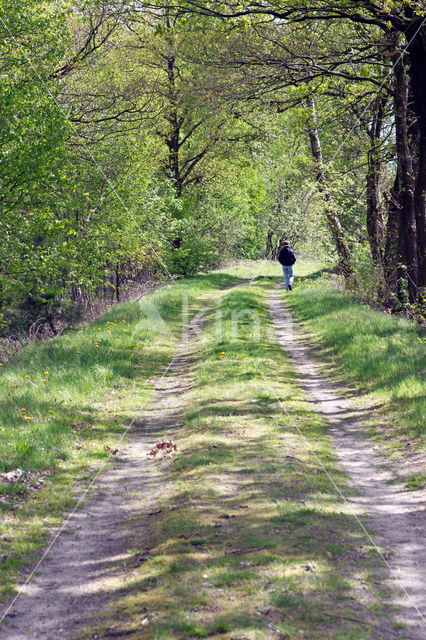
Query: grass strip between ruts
(252,541)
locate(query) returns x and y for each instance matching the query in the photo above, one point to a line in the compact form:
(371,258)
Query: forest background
(146,140)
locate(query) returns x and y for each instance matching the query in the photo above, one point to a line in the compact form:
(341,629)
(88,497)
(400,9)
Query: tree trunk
(332,218)
(52,326)
(375,222)
(416,37)
(268,247)
(390,256)
(173,140)
(117,283)
(407,245)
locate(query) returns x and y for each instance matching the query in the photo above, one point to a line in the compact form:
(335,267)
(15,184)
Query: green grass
(252,540)
(250,469)
(65,399)
(384,356)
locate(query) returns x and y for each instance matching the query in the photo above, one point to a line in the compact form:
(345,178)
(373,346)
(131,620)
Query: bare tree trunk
(173,140)
(407,245)
(117,283)
(375,222)
(390,256)
(268,247)
(416,37)
(332,218)
(52,326)
(420,210)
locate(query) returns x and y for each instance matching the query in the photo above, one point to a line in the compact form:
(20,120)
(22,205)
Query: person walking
(287,258)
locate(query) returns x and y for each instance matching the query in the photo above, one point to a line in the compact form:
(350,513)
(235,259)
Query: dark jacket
(286,256)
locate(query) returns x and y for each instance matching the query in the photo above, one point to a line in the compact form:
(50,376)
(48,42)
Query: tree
(403,28)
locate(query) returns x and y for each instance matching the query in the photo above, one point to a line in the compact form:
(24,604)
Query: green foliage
(32,133)
(148,148)
(59,406)
(368,277)
(195,251)
(55,383)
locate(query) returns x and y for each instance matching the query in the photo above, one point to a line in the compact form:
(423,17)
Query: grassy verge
(66,400)
(384,356)
(252,541)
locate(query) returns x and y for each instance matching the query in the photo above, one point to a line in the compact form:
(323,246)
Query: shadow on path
(398,516)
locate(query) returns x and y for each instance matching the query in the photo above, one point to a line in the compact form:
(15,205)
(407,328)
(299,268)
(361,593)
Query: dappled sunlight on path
(398,516)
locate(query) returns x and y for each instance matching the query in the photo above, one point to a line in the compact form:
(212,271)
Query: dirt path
(90,559)
(397,516)
(94,557)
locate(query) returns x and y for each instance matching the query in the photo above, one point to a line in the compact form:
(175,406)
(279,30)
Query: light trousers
(288,275)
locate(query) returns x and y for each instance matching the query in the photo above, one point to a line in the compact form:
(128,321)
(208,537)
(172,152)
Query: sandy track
(90,560)
(397,516)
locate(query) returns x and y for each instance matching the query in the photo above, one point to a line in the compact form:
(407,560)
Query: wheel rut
(88,562)
(397,516)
